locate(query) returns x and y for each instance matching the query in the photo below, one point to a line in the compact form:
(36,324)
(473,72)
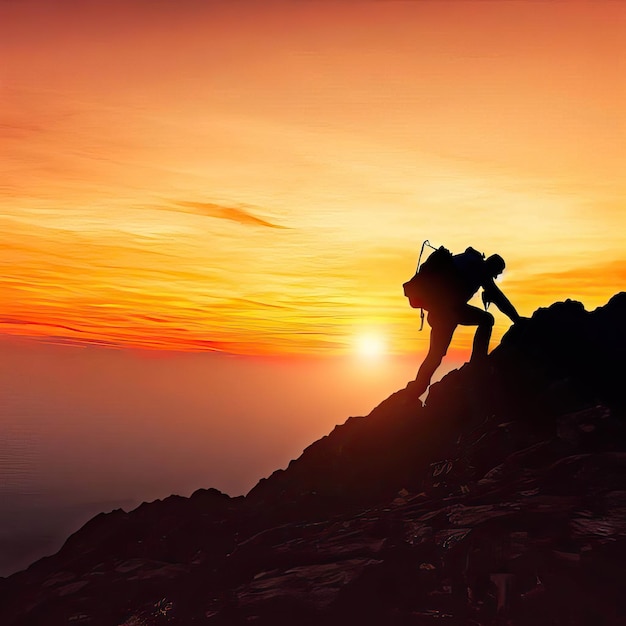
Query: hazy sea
(35,520)
(85,431)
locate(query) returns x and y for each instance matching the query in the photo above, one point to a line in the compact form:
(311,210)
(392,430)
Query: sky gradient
(208,209)
(257,178)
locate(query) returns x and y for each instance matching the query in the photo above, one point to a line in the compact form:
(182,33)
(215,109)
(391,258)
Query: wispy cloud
(593,284)
(16,321)
(234,214)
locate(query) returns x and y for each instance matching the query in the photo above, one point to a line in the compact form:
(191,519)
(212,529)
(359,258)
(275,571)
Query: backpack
(436,282)
(433,282)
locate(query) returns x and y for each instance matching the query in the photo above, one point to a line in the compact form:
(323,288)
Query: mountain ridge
(463,511)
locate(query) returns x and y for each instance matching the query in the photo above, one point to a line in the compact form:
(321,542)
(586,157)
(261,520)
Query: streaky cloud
(234,214)
(262,305)
(16,321)
(592,279)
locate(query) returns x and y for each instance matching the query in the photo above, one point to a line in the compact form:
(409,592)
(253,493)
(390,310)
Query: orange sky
(258,177)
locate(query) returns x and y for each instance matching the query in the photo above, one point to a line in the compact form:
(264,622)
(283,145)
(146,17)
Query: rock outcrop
(502,501)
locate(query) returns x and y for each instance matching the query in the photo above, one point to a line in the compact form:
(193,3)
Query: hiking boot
(414,393)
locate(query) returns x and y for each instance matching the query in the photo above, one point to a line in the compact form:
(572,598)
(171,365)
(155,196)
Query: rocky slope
(502,501)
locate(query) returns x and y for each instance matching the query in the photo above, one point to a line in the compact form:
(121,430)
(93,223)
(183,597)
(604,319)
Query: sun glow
(371,347)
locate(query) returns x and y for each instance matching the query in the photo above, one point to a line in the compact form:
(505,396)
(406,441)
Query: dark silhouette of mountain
(502,501)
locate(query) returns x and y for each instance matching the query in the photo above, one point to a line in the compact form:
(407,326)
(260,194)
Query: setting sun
(371,346)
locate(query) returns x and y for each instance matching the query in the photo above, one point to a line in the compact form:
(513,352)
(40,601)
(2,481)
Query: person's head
(495,265)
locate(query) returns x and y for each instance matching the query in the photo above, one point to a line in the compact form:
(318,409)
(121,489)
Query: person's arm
(495,295)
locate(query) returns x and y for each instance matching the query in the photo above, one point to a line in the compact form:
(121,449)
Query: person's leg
(473,316)
(440,338)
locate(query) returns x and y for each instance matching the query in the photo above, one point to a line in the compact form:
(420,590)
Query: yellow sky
(258,177)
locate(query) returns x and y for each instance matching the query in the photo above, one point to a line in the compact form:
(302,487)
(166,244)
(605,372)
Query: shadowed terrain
(501,501)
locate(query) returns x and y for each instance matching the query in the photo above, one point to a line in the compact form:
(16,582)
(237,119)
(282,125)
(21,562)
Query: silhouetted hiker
(444,286)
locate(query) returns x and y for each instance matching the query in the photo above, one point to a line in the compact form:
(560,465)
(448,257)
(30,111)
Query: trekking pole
(419,261)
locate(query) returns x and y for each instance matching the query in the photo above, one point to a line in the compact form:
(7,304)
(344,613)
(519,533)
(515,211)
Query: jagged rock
(502,501)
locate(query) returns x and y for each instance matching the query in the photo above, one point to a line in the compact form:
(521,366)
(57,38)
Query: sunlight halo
(371,347)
